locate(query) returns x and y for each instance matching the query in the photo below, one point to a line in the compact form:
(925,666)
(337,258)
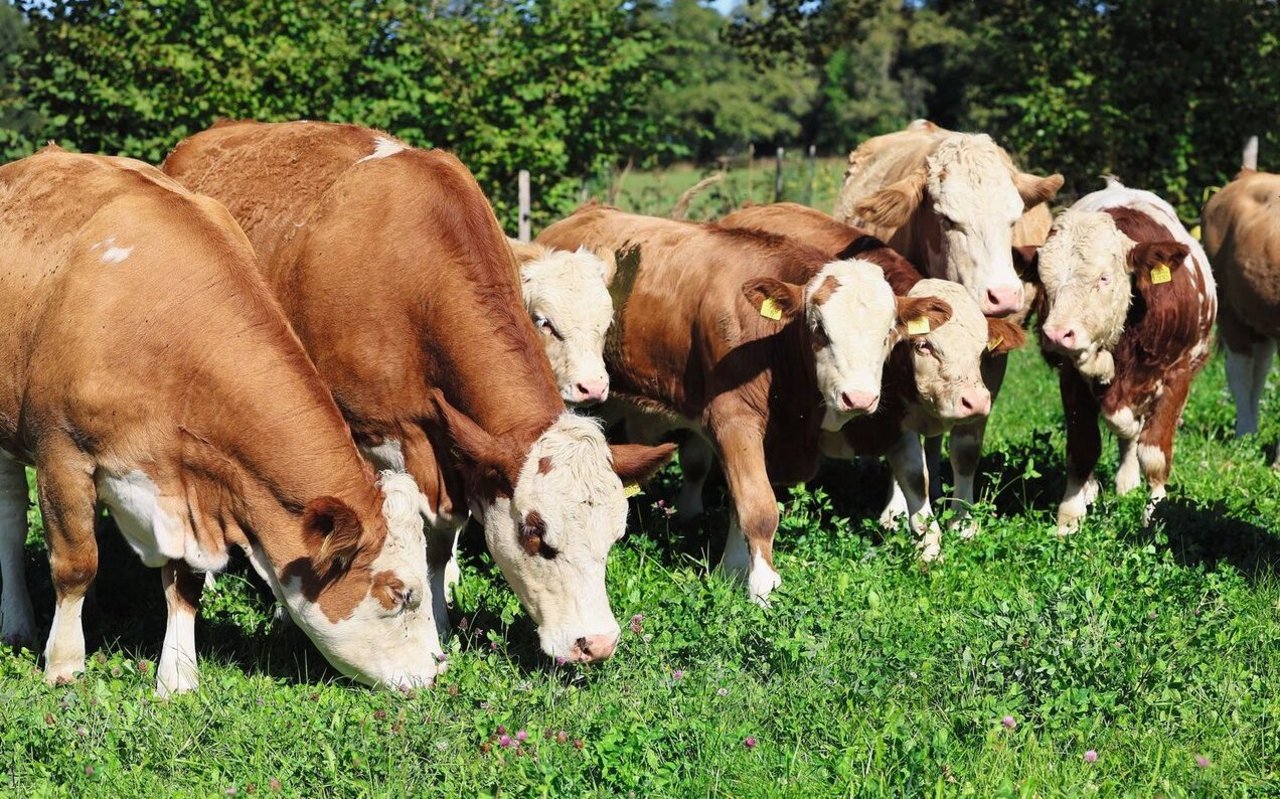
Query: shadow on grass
(1206,535)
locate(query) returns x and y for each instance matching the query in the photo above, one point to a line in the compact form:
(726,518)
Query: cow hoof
(452,576)
(1126,482)
(1068,525)
(760,585)
(180,682)
(57,674)
(1091,490)
(968,529)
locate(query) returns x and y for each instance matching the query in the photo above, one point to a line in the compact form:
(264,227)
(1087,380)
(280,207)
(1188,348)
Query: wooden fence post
(777,178)
(813,169)
(524,234)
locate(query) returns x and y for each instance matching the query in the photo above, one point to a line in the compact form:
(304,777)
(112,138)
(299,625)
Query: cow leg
(442,526)
(933,465)
(68,503)
(906,458)
(896,508)
(1084,446)
(696,457)
(1155,441)
(749,546)
(177,671)
(1128,475)
(17,622)
(966,451)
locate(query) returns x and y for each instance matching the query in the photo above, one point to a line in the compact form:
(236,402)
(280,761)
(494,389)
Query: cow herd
(313,343)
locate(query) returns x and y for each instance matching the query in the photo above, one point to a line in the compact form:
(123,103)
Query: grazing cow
(949,361)
(393,270)
(1242,239)
(567,295)
(1129,308)
(752,340)
(145,366)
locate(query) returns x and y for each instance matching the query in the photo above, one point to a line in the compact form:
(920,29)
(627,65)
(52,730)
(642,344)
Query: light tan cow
(567,295)
(392,268)
(144,366)
(1242,238)
(957,207)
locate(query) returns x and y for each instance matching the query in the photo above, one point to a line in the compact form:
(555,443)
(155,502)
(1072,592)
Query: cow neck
(267,429)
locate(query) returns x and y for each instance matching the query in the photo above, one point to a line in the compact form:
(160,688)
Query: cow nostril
(966,403)
(583,645)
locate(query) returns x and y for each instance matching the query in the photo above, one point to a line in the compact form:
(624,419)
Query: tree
(19,122)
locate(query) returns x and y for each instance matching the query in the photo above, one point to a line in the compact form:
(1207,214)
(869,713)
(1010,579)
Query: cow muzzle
(1002,300)
(590,648)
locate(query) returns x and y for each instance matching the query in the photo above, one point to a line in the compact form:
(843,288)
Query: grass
(871,675)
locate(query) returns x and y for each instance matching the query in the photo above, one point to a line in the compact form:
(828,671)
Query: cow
(1129,305)
(392,268)
(751,340)
(567,295)
(144,366)
(956,206)
(962,348)
(1242,238)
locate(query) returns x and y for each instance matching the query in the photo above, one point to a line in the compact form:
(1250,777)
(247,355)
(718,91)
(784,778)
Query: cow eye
(544,323)
(1104,279)
(531,534)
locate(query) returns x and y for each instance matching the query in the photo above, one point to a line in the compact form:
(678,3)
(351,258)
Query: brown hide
(138,336)
(396,276)
(1242,239)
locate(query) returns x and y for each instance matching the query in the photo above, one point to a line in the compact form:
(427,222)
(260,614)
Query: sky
(724,6)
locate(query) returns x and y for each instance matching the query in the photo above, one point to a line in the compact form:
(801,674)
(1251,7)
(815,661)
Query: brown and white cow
(956,206)
(392,268)
(567,295)
(752,340)
(1242,238)
(144,366)
(1128,313)
(936,384)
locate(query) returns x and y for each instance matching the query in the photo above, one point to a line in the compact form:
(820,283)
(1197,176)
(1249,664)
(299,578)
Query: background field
(871,675)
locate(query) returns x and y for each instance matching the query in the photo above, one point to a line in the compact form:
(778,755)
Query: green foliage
(552,86)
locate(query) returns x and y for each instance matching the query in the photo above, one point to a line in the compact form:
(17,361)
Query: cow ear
(1154,255)
(1035,190)
(634,463)
(1026,262)
(860,245)
(893,205)
(496,462)
(609,259)
(333,532)
(1004,336)
(774,299)
(918,316)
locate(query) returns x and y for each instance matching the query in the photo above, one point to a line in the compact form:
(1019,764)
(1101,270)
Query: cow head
(1088,268)
(853,321)
(567,297)
(551,513)
(947,360)
(970,195)
(362,593)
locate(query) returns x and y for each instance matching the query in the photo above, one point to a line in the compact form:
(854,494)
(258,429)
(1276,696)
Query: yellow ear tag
(1161,274)
(769,309)
(631,489)
(1195,232)
(995,342)
(918,326)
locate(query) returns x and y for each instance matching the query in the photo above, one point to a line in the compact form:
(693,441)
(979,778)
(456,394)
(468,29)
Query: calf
(936,384)
(1242,239)
(144,366)
(752,340)
(1129,309)
(566,293)
(392,268)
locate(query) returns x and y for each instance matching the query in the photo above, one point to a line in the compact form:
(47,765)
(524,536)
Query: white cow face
(1087,268)
(853,320)
(975,196)
(947,361)
(363,599)
(551,515)
(568,299)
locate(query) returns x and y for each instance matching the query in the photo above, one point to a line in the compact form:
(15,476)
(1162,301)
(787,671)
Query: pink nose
(1062,337)
(859,401)
(591,391)
(593,647)
(975,403)
(1002,301)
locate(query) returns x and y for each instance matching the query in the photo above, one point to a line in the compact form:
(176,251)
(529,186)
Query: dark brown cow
(393,270)
(1129,309)
(968,359)
(752,340)
(145,366)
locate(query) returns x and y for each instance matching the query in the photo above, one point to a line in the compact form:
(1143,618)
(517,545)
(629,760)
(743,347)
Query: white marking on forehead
(862,281)
(967,174)
(384,147)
